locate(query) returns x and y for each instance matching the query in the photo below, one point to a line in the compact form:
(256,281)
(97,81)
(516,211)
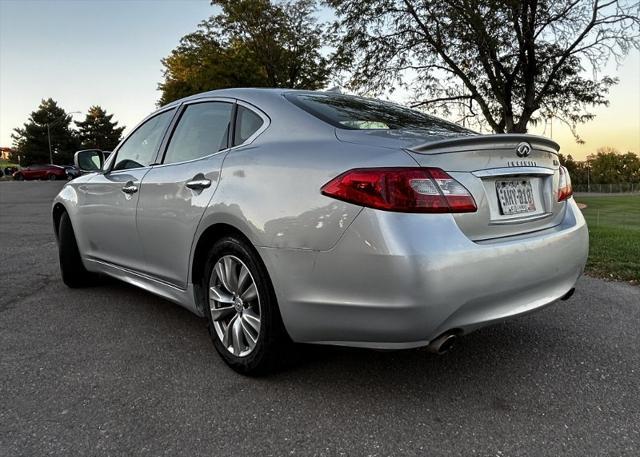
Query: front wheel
(18,177)
(244,319)
(52,177)
(73,272)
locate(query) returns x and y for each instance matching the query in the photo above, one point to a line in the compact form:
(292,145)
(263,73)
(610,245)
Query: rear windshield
(357,113)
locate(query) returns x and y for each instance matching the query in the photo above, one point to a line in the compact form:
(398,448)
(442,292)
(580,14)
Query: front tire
(52,177)
(18,177)
(73,272)
(241,308)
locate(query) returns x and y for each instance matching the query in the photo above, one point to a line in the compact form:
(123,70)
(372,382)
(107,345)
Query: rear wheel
(52,177)
(241,308)
(73,272)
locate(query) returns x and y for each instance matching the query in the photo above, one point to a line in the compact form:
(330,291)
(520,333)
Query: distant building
(4,153)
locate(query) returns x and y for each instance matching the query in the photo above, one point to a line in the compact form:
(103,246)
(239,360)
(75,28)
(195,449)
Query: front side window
(247,123)
(139,150)
(202,130)
(357,113)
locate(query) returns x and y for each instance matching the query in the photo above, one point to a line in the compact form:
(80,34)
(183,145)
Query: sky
(108,52)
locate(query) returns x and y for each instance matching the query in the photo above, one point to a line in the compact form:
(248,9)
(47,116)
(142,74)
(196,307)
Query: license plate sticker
(515,196)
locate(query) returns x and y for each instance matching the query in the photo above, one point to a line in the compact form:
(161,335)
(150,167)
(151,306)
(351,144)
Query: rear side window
(247,123)
(202,130)
(357,113)
(139,150)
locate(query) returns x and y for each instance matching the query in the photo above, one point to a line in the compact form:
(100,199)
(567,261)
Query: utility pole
(49,132)
(49,138)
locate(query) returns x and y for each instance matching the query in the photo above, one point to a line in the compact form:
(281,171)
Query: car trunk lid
(512,177)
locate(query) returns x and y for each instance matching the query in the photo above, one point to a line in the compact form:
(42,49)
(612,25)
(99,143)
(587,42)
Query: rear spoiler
(492,141)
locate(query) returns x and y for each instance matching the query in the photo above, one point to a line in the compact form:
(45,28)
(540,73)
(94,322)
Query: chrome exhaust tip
(442,344)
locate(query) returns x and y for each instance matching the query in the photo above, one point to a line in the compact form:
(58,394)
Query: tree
(608,166)
(200,63)
(577,170)
(31,143)
(512,62)
(98,131)
(630,167)
(251,43)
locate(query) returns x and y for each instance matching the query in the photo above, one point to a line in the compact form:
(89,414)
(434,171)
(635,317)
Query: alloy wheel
(234,304)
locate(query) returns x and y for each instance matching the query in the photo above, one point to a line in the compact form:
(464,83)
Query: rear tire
(52,177)
(73,272)
(272,347)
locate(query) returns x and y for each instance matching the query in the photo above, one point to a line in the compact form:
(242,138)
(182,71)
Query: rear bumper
(399,280)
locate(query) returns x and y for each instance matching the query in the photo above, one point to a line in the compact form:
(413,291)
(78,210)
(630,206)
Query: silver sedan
(291,216)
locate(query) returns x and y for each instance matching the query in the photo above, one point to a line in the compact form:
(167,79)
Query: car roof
(244,92)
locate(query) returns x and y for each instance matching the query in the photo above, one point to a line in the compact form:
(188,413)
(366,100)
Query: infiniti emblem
(523,149)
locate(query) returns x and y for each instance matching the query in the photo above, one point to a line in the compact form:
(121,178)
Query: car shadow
(530,365)
(504,354)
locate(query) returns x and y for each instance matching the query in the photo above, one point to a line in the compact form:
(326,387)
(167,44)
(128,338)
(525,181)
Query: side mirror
(89,161)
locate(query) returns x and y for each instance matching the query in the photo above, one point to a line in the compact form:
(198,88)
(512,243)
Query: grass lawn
(614,236)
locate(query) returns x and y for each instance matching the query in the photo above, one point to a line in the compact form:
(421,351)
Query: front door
(175,193)
(108,202)
(32,172)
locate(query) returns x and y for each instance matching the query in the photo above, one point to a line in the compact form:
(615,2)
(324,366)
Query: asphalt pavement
(112,370)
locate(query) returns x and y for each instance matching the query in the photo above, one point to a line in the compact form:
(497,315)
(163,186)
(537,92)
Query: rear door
(108,202)
(176,192)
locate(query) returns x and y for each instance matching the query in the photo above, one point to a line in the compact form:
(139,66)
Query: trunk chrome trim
(512,171)
(520,220)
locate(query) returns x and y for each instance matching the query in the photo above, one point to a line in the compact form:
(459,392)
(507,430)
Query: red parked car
(47,171)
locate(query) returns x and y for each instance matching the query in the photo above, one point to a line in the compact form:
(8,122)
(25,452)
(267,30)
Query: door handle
(198,184)
(130,188)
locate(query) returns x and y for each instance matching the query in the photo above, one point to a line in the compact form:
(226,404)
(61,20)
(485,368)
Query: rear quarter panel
(270,189)
(272,192)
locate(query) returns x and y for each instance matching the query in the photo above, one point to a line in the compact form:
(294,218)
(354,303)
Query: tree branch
(456,69)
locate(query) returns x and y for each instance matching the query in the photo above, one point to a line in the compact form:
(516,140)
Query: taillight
(410,190)
(565,190)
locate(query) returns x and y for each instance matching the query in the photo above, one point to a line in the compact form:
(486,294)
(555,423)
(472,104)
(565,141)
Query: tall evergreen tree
(31,141)
(98,131)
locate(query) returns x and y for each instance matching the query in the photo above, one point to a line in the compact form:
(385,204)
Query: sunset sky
(83,53)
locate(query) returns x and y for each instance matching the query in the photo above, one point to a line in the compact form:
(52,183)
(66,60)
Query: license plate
(515,196)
